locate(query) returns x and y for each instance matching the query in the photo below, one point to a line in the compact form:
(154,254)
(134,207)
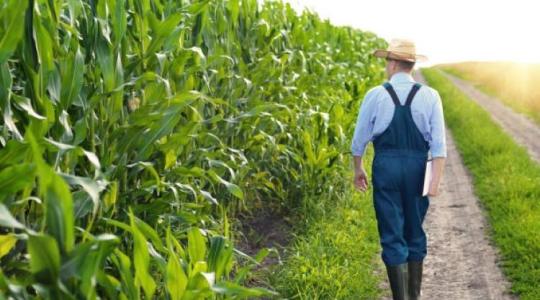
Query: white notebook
(427,178)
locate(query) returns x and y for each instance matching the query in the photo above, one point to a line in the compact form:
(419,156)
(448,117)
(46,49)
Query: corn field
(134,131)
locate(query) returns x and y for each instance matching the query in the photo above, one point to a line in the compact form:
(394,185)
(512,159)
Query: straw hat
(400,49)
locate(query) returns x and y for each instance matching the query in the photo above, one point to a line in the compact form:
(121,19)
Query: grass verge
(334,252)
(506,180)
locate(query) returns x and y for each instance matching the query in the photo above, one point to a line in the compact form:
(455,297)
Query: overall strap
(392,93)
(413,91)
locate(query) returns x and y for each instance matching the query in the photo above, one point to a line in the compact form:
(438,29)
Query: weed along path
(461,262)
(524,130)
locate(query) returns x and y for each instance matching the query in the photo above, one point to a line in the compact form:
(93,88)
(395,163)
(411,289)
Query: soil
(266,228)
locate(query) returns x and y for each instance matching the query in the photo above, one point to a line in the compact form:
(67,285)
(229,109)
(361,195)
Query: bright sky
(445,31)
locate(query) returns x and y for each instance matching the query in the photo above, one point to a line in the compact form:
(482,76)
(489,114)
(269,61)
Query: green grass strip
(335,256)
(506,180)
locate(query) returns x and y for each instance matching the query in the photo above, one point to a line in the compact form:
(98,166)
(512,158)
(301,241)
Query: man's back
(377,110)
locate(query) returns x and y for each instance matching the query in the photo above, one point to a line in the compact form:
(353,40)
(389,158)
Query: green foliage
(132,130)
(336,258)
(506,180)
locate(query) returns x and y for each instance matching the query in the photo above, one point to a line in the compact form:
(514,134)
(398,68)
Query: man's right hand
(438,168)
(360,180)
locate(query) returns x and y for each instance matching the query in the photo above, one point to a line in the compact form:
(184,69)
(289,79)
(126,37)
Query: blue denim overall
(398,170)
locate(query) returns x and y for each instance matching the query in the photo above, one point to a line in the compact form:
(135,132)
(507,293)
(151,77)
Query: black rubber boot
(398,277)
(415,279)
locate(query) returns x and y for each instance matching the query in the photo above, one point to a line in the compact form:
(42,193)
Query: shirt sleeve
(363,132)
(438,133)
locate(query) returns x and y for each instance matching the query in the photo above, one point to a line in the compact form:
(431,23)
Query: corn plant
(134,131)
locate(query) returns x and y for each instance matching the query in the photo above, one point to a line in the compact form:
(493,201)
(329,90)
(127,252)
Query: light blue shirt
(377,110)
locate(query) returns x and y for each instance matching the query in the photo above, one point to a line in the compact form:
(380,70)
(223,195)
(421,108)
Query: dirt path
(524,130)
(461,262)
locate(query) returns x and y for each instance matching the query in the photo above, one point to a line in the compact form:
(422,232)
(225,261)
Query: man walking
(404,120)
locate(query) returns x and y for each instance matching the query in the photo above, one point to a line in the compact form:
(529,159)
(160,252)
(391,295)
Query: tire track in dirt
(461,262)
(524,131)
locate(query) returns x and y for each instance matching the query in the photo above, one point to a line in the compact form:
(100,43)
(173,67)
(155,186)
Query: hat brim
(399,56)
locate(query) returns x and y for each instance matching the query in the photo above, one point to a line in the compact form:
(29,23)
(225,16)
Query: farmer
(405,122)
